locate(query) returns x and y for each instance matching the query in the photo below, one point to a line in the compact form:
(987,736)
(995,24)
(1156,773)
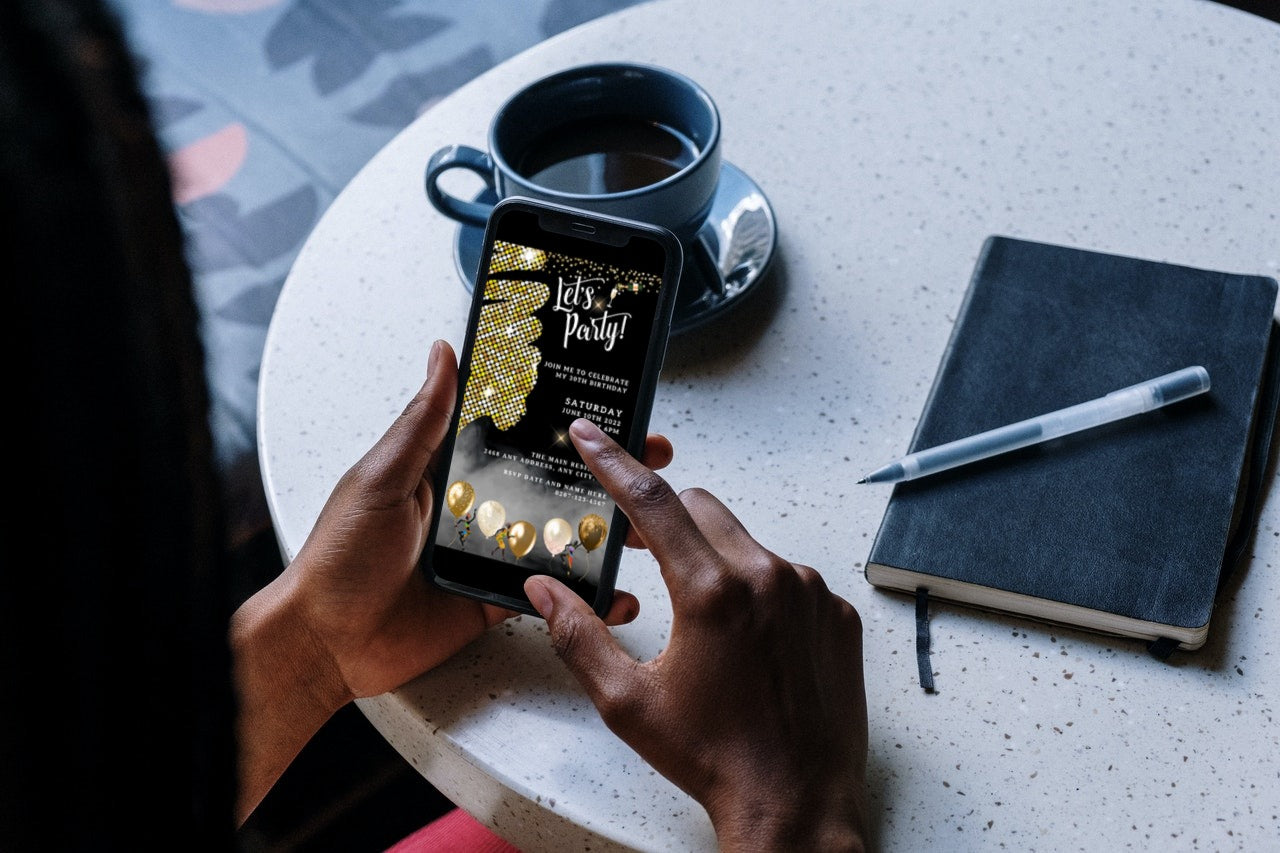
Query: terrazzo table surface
(891,139)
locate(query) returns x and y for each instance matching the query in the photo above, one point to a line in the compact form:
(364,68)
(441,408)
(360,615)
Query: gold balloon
(459,497)
(556,534)
(490,515)
(520,538)
(591,531)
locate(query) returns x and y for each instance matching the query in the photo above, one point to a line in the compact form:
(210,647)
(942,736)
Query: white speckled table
(891,139)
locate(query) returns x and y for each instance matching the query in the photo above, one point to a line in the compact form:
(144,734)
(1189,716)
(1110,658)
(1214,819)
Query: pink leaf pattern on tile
(204,167)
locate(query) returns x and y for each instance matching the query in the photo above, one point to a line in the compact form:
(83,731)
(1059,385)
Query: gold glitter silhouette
(504,364)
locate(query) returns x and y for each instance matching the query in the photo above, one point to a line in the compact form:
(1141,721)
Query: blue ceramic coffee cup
(622,139)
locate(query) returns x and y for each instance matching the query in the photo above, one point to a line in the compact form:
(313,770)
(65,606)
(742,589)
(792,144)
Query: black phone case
(566,221)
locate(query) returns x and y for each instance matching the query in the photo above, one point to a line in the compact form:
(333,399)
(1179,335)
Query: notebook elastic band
(1161,649)
(923,661)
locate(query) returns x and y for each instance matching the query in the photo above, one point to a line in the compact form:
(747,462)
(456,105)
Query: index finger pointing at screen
(652,507)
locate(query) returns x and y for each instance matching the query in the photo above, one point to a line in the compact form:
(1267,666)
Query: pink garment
(453,832)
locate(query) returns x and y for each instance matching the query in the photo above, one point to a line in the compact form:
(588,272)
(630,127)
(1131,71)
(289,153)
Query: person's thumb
(579,636)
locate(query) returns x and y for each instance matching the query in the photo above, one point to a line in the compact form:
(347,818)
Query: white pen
(1124,403)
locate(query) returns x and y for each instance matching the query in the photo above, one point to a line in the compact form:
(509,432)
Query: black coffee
(606,155)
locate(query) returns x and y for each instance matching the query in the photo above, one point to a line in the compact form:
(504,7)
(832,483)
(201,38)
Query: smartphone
(569,318)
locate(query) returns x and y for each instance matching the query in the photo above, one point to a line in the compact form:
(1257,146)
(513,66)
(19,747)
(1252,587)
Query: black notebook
(1126,528)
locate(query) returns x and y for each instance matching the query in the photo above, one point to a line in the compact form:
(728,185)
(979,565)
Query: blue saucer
(733,250)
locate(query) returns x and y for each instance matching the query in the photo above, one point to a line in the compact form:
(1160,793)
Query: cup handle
(459,157)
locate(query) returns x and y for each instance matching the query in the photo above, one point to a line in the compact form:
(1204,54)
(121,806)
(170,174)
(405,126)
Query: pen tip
(863,480)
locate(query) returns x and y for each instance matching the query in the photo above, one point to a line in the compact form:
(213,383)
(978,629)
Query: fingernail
(585,431)
(434,356)
(539,596)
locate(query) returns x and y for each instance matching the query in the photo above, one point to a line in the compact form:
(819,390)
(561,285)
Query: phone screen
(563,326)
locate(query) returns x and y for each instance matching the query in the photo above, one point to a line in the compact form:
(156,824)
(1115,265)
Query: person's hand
(352,615)
(756,707)
(383,622)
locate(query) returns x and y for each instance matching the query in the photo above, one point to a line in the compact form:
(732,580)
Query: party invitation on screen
(559,337)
